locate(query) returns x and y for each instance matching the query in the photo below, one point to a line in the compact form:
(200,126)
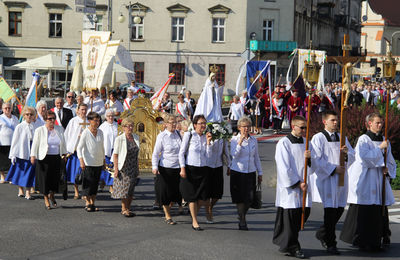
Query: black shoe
(333,250)
(197,228)
(323,243)
(386,241)
(298,254)
(243,227)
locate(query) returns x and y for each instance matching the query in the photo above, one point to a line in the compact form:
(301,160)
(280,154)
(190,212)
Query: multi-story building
(379,31)
(185,37)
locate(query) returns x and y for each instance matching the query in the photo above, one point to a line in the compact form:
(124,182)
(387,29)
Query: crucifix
(347,62)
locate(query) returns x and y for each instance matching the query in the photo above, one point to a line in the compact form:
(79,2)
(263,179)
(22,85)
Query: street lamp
(68,60)
(136,20)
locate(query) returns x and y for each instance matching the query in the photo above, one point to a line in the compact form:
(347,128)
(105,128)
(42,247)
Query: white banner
(306,55)
(108,63)
(364,71)
(126,61)
(94,46)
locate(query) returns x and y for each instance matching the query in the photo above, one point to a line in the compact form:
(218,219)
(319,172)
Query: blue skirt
(105,175)
(73,168)
(22,173)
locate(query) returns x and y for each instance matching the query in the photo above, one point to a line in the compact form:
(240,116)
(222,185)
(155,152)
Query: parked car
(146,88)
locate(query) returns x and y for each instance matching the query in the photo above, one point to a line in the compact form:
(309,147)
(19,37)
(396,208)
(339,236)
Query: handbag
(285,124)
(79,178)
(257,198)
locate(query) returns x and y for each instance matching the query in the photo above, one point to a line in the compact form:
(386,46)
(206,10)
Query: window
(137,30)
(268,30)
(99,22)
(15,23)
(178,29)
(179,70)
(220,74)
(139,72)
(218,29)
(55,24)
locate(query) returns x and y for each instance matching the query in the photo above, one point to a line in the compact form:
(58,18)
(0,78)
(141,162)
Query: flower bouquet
(221,130)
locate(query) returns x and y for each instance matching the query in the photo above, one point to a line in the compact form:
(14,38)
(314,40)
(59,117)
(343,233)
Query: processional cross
(347,62)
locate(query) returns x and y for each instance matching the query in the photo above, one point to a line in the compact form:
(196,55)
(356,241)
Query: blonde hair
(28,109)
(127,121)
(185,124)
(243,119)
(169,117)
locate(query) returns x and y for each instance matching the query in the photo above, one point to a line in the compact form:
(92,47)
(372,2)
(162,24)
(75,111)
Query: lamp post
(136,20)
(68,60)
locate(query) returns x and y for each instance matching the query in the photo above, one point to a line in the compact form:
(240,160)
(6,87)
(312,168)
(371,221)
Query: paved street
(28,231)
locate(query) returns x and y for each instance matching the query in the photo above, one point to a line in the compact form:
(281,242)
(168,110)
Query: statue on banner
(93,53)
(210,101)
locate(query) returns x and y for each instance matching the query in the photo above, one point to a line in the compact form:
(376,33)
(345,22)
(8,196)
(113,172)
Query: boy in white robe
(325,178)
(366,223)
(290,157)
(72,134)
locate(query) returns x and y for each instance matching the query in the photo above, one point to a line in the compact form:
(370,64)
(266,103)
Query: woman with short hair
(193,158)
(244,165)
(182,108)
(91,156)
(47,148)
(8,123)
(126,166)
(41,108)
(22,172)
(165,164)
(110,132)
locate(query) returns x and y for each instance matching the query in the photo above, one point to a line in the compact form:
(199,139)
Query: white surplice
(365,174)
(110,133)
(325,188)
(21,141)
(73,132)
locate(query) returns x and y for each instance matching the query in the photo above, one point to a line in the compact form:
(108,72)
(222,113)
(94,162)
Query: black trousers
(277,123)
(327,231)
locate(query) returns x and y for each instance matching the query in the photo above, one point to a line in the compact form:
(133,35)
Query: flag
(256,76)
(6,92)
(157,97)
(31,98)
(300,86)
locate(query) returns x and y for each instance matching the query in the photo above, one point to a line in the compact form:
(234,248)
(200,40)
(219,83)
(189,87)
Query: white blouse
(237,111)
(198,152)
(21,141)
(220,154)
(110,132)
(166,150)
(7,127)
(54,143)
(91,148)
(245,157)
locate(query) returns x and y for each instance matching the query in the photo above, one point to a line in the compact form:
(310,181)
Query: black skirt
(167,188)
(5,163)
(216,182)
(243,186)
(195,186)
(287,227)
(47,174)
(90,180)
(364,226)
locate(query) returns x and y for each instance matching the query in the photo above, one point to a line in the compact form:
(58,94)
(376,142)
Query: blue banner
(257,72)
(31,98)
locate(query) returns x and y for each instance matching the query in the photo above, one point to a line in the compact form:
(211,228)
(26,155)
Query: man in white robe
(366,223)
(290,157)
(210,101)
(72,134)
(325,178)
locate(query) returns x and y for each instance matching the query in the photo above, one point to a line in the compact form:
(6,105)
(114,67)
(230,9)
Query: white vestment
(290,159)
(98,105)
(7,127)
(73,132)
(325,188)
(365,174)
(110,132)
(209,103)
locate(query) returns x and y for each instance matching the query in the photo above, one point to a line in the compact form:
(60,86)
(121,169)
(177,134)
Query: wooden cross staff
(346,80)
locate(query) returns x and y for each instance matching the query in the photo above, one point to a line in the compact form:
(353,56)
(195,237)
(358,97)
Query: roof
(389,9)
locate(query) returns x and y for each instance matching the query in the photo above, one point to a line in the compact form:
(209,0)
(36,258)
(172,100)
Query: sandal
(128,214)
(170,221)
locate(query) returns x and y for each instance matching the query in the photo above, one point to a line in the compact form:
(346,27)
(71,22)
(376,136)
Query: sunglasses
(69,96)
(51,118)
(302,127)
(28,114)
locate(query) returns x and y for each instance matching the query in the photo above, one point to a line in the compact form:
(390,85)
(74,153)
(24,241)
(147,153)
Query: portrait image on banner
(94,46)
(305,55)
(257,74)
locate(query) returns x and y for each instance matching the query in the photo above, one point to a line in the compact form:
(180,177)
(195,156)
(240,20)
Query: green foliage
(396,182)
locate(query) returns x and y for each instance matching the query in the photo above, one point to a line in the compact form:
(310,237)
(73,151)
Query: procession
(291,150)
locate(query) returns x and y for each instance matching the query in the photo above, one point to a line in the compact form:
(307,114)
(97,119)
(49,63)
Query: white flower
(214,132)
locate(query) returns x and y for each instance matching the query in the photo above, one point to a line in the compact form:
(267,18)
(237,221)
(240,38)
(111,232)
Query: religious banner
(156,99)
(94,46)
(257,72)
(364,71)
(305,55)
(126,61)
(6,92)
(105,75)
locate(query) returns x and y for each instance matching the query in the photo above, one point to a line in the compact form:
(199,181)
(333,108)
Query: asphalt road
(28,231)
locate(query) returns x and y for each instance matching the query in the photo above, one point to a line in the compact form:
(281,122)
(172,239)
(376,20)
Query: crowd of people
(188,162)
